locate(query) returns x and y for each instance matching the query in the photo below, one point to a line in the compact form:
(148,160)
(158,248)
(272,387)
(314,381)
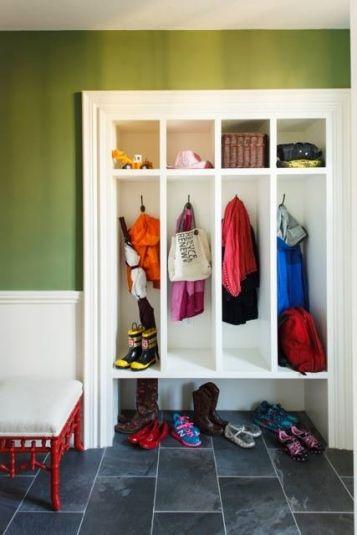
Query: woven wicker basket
(249,149)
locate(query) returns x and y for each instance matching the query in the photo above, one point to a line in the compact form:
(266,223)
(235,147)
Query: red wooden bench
(39,416)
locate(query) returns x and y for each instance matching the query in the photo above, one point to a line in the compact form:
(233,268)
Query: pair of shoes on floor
(298,443)
(273,417)
(205,416)
(242,435)
(142,349)
(150,436)
(185,431)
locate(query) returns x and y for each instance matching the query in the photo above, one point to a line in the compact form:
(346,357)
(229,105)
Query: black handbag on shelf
(298,151)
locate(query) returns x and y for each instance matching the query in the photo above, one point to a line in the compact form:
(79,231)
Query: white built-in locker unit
(241,359)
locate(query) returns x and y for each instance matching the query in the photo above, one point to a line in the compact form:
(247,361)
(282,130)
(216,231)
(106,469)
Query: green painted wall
(42,74)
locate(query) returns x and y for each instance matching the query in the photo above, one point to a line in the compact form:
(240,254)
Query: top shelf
(160,141)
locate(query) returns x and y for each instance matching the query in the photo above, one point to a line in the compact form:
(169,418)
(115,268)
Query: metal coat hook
(282,202)
(142,207)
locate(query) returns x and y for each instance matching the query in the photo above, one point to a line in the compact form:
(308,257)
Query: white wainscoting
(41,334)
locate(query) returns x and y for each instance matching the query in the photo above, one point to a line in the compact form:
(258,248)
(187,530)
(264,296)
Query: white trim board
(39,297)
(100,111)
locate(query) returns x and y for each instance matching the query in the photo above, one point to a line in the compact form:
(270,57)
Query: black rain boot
(134,347)
(149,353)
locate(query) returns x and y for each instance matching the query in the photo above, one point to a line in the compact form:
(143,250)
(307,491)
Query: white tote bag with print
(190,256)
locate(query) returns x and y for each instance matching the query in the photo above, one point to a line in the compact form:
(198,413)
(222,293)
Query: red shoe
(153,439)
(143,432)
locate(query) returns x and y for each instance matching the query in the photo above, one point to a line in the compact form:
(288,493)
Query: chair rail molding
(39,297)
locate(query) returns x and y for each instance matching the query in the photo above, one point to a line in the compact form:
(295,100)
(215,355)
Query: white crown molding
(38,297)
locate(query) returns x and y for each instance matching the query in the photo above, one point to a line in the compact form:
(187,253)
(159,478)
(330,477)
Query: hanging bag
(299,341)
(190,255)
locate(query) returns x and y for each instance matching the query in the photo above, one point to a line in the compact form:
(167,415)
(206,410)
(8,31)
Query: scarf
(239,260)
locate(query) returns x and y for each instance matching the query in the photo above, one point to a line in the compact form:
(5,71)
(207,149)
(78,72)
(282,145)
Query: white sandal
(238,436)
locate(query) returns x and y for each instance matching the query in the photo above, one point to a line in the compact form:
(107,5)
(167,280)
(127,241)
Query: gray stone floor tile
(45,524)
(120,505)
(78,470)
(237,417)
(124,459)
(270,440)
(313,485)
(12,491)
(235,461)
(325,523)
(188,524)
(342,460)
(187,495)
(255,506)
(187,481)
(21,458)
(348,481)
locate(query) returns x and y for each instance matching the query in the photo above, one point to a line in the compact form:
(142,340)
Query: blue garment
(292,285)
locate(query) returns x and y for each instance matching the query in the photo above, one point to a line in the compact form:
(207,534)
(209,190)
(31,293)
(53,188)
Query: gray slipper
(238,436)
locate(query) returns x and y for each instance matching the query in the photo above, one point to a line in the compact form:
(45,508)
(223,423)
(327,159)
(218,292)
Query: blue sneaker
(282,413)
(287,415)
(185,432)
(273,417)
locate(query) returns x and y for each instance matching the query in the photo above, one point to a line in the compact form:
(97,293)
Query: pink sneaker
(307,439)
(185,432)
(291,445)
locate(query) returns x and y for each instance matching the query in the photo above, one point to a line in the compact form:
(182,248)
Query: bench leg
(78,444)
(55,474)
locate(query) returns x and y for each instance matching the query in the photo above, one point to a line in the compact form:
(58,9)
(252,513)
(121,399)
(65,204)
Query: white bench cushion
(35,407)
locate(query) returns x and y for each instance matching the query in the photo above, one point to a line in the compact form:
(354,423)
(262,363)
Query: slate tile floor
(218,489)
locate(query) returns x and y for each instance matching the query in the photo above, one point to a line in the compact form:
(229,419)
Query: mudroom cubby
(311,130)
(242,126)
(305,198)
(131,191)
(139,137)
(191,342)
(243,359)
(248,347)
(196,135)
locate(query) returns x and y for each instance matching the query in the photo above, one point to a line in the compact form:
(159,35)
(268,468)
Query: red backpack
(299,341)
